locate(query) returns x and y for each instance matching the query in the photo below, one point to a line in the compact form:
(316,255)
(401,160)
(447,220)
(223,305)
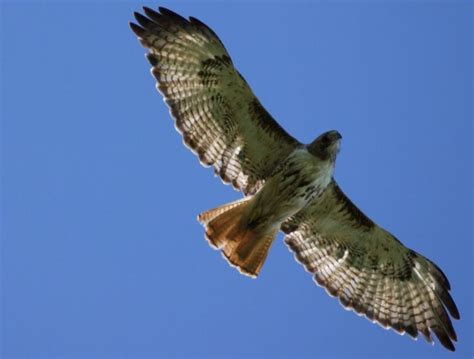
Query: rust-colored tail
(244,248)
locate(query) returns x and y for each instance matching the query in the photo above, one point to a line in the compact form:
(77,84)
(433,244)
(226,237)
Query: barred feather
(369,270)
(214,109)
(225,125)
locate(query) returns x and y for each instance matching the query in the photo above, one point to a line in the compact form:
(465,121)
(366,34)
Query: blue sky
(102,256)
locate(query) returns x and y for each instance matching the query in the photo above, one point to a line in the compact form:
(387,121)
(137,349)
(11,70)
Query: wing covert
(214,109)
(369,270)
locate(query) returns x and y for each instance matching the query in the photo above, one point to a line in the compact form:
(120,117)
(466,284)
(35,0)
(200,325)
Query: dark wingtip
(456,315)
(455,312)
(450,347)
(152,14)
(166,11)
(450,305)
(152,59)
(448,344)
(411,330)
(442,275)
(443,338)
(171,14)
(138,30)
(193,20)
(143,20)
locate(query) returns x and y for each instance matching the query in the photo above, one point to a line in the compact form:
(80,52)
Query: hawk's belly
(300,178)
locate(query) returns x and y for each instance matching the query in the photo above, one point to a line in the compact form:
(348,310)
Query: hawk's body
(300,178)
(246,230)
(288,186)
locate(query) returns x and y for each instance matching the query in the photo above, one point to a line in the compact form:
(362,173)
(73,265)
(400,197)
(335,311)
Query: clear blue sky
(102,256)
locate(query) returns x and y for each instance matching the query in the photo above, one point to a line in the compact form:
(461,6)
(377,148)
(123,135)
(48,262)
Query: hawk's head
(326,146)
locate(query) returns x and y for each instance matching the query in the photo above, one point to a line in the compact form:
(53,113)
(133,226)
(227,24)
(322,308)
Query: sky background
(102,256)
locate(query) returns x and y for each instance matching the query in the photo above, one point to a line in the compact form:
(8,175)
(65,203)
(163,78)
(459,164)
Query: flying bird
(288,186)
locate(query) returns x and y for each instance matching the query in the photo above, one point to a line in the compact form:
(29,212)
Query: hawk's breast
(300,178)
(312,176)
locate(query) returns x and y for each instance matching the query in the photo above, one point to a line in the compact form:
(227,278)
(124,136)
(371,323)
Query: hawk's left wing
(370,271)
(215,110)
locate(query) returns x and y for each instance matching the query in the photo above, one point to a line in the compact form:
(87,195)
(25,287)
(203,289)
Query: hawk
(287,186)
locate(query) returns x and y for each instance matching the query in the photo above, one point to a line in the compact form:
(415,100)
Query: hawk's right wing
(370,271)
(215,110)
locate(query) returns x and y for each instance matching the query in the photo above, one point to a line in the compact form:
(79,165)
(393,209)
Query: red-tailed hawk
(288,186)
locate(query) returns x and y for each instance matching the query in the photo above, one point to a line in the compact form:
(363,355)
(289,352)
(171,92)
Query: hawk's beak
(337,135)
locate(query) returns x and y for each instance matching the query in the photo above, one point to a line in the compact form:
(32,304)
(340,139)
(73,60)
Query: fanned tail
(243,246)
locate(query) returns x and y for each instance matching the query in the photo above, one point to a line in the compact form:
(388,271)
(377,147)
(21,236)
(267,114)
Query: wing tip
(444,338)
(138,30)
(169,14)
(442,329)
(144,21)
(449,303)
(152,14)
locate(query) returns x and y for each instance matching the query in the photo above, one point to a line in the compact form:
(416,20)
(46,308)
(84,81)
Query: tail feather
(250,254)
(219,221)
(209,215)
(244,247)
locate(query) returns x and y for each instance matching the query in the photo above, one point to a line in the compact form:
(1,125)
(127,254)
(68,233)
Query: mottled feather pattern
(214,109)
(370,271)
(224,124)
